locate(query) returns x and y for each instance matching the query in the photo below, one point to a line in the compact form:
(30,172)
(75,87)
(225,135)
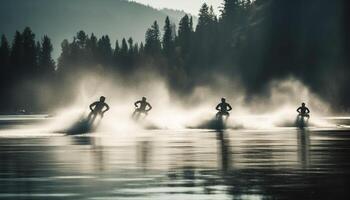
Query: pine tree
(131,53)
(184,35)
(116,48)
(153,44)
(4,54)
(116,53)
(168,38)
(131,46)
(65,57)
(230,9)
(46,63)
(92,48)
(231,15)
(37,51)
(124,50)
(29,52)
(204,18)
(81,39)
(105,50)
(16,57)
(136,50)
(205,37)
(141,49)
(5,73)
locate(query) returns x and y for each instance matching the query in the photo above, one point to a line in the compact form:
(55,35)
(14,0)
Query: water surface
(281,163)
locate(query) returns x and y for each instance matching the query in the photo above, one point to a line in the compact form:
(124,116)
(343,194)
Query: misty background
(60,19)
(244,48)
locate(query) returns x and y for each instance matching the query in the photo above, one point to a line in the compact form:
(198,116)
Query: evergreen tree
(206,38)
(4,54)
(142,49)
(204,17)
(105,50)
(184,36)
(92,49)
(117,48)
(125,49)
(231,16)
(81,39)
(46,63)
(230,11)
(37,52)
(16,57)
(29,52)
(131,53)
(131,46)
(136,50)
(168,39)
(153,44)
(124,52)
(116,53)
(5,73)
(65,57)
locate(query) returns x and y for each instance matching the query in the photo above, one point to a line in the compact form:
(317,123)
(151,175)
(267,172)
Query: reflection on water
(251,164)
(303,147)
(224,152)
(144,154)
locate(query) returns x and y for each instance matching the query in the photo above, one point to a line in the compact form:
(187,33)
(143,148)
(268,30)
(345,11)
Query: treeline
(252,41)
(26,67)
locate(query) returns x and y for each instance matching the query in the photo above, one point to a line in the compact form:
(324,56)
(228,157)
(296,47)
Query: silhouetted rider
(142,106)
(303,111)
(98,108)
(223,108)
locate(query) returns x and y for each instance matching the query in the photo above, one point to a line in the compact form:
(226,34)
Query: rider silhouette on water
(303,111)
(223,108)
(142,107)
(97,108)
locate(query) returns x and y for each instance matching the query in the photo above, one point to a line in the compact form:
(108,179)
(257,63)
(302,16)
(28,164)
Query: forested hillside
(253,42)
(59,19)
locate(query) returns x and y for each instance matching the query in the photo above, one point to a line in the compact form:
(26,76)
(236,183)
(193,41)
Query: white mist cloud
(275,109)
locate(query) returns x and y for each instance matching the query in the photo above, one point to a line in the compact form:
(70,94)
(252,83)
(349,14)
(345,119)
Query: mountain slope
(60,19)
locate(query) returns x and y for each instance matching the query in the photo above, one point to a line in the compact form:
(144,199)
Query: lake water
(278,163)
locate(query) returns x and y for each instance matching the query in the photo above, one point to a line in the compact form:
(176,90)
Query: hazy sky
(190,6)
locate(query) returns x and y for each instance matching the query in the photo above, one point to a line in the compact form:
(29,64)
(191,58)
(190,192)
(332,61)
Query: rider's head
(102,99)
(144,99)
(223,100)
(303,104)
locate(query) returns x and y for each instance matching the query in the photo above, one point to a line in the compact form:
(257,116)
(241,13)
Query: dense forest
(61,19)
(254,42)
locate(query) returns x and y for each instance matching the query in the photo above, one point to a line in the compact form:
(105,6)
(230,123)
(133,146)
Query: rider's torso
(223,107)
(143,105)
(303,110)
(99,106)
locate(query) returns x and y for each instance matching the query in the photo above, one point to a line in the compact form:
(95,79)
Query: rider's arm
(137,102)
(298,110)
(229,107)
(149,107)
(107,108)
(307,110)
(218,107)
(92,105)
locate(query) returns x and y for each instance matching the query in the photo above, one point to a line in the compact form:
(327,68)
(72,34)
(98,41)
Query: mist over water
(265,58)
(275,108)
